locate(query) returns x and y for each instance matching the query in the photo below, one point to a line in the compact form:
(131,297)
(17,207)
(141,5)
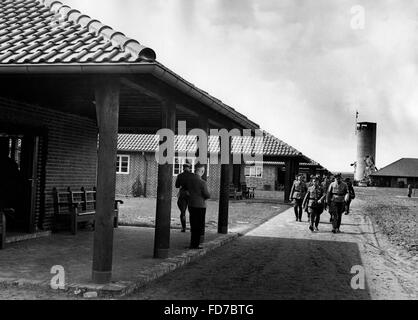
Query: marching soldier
(310,183)
(335,199)
(313,201)
(297,193)
(325,185)
(351,195)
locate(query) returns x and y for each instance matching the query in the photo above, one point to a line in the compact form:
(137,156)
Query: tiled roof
(405,167)
(282,163)
(48,36)
(46,31)
(269,146)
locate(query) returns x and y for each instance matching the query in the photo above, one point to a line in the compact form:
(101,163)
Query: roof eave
(155,69)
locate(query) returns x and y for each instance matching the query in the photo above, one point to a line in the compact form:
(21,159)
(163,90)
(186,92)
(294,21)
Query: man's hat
(338,175)
(187,165)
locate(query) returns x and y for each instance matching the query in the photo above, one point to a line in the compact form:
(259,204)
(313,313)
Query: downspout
(146,174)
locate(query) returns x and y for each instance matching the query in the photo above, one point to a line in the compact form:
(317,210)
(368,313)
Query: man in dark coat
(198,194)
(183,195)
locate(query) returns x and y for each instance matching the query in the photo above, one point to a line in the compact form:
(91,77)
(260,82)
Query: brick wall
(71,155)
(269,178)
(137,172)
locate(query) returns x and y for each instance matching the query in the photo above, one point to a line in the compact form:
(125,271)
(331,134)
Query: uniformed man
(183,195)
(351,195)
(310,183)
(325,185)
(297,193)
(335,198)
(314,202)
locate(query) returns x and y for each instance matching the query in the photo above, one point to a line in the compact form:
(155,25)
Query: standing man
(199,193)
(409,190)
(314,202)
(335,199)
(183,195)
(297,193)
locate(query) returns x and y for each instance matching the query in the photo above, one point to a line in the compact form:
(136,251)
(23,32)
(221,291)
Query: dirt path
(282,259)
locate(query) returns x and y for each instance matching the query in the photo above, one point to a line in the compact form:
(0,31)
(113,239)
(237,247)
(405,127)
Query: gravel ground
(16,293)
(394,213)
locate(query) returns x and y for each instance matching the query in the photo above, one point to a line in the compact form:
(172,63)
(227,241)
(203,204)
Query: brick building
(137,166)
(68,85)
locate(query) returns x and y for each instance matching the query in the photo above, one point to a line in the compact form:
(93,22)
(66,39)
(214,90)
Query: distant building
(137,167)
(397,174)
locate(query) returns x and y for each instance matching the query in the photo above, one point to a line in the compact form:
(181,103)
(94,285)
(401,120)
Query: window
(122,164)
(179,161)
(254,171)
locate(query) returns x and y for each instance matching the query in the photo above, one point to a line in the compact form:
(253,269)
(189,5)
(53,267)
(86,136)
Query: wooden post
(292,169)
(2,229)
(224,195)
(204,125)
(107,110)
(164,190)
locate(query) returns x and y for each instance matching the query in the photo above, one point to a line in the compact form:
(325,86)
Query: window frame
(119,163)
(254,172)
(181,161)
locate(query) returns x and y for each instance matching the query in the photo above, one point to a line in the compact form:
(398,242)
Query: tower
(366,150)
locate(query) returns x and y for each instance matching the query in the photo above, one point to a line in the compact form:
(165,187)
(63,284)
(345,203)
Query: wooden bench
(78,206)
(247,192)
(234,193)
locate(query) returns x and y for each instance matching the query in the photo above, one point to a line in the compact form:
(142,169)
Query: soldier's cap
(199,165)
(338,175)
(187,165)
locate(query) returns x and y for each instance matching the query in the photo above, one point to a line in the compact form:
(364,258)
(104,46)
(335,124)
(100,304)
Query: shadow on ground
(258,268)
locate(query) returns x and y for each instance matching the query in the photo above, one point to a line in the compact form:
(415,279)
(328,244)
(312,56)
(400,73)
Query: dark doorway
(19,171)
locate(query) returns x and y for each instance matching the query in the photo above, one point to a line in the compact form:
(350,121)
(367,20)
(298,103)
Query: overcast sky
(295,67)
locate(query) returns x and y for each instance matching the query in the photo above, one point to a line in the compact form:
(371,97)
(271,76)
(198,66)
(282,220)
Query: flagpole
(357,114)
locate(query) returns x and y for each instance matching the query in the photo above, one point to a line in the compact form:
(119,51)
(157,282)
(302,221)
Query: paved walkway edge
(121,288)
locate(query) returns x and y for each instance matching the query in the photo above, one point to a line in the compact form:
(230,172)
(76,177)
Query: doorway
(19,172)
